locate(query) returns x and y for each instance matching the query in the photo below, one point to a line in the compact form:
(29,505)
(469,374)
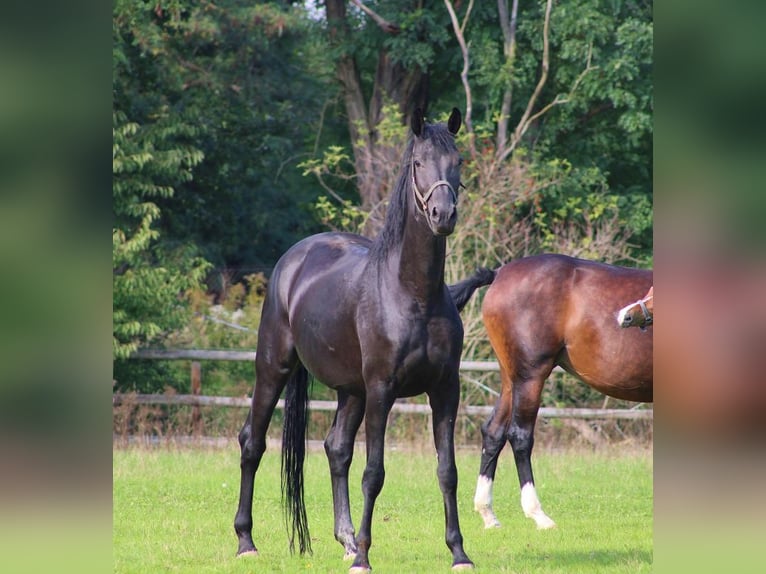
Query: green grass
(174,509)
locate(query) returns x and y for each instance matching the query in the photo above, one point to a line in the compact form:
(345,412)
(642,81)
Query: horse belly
(327,346)
(622,371)
(321,306)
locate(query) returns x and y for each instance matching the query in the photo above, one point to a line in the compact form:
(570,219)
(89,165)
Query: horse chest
(415,352)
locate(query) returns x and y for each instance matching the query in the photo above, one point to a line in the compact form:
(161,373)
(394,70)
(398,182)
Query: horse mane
(392,231)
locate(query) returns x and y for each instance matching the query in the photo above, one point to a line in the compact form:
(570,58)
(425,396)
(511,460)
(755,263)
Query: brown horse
(551,310)
(638,314)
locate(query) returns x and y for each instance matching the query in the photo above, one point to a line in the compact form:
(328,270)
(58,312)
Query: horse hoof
(359,570)
(462,566)
(544,522)
(252,552)
(489,518)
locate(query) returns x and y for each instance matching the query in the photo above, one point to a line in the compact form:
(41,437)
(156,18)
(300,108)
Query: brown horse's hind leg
(526,403)
(271,379)
(494,433)
(339,447)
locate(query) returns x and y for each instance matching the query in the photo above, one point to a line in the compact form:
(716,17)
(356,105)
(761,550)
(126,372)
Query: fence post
(196,389)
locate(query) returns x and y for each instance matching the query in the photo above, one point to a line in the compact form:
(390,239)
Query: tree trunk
(407,88)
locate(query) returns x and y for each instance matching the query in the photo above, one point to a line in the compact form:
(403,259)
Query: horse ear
(453,125)
(418,122)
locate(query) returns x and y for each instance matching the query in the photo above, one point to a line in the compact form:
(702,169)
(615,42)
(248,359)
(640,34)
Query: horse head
(435,171)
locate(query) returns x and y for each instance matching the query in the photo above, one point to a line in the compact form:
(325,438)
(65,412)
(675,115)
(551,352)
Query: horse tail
(293,455)
(462,291)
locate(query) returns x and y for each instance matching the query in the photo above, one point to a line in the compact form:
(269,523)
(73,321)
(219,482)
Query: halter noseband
(423,199)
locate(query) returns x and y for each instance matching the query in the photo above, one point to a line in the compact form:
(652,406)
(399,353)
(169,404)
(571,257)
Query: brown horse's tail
(462,291)
(293,455)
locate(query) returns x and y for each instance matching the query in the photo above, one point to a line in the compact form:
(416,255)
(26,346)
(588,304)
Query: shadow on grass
(586,560)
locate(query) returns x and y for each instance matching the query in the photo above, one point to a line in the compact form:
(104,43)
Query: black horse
(375,321)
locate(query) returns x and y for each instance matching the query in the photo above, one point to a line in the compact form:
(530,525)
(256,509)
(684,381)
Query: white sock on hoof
(532,508)
(482,502)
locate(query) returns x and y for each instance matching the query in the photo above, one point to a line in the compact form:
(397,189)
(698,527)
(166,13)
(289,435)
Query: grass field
(174,509)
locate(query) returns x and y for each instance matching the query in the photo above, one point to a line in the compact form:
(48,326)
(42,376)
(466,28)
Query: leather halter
(423,198)
(648,317)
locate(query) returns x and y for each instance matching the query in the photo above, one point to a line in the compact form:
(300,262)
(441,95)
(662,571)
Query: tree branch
(524,122)
(565,100)
(528,118)
(508,25)
(385,25)
(459,34)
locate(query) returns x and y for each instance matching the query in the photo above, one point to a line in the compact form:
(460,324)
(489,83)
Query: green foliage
(148,280)
(254,80)
(604,51)
(344,217)
(245,95)
(230,323)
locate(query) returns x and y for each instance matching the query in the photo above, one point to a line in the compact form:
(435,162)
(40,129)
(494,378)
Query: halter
(423,199)
(648,318)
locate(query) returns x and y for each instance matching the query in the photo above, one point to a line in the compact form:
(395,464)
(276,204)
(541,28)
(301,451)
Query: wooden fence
(196,399)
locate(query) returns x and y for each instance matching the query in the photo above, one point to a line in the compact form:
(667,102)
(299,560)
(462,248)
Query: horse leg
(378,406)
(494,433)
(444,408)
(526,403)
(271,378)
(339,447)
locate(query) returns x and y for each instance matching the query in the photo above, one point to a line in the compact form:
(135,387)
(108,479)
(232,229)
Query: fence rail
(213,355)
(400,406)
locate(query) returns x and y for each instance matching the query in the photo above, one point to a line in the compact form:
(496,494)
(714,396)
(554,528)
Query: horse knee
(244,435)
(372,481)
(338,455)
(251,449)
(521,439)
(493,437)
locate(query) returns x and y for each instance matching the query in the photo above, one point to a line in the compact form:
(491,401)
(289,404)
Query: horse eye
(417,163)
(460,161)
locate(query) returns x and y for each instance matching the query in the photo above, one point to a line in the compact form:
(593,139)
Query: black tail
(293,454)
(463,290)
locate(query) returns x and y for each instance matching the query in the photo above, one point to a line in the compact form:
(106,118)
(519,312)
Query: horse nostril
(434,212)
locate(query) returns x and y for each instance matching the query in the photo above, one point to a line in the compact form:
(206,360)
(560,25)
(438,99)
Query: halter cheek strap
(648,318)
(423,198)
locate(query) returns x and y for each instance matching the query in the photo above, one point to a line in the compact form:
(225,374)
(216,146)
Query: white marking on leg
(532,508)
(482,502)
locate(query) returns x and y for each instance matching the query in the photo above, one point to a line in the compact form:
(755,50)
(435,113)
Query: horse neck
(418,260)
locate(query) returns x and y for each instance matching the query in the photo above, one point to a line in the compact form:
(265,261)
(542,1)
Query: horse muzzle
(441,208)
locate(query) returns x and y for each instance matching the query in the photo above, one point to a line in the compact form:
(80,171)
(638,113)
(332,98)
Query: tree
(569,86)
(254,81)
(383,62)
